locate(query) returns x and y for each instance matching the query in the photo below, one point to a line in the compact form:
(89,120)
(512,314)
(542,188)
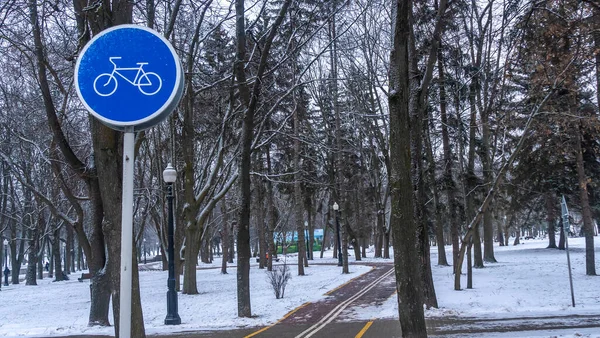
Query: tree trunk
(449,185)
(311,229)
(108,146)
(356,245)
(325,231)
(406,258)
(100,298)
(271,216)
(477,253)
(48,245)
(224,237)
(249,104)
(69,251)
(243,233)
(80,264)
(261,222)
(379,231)
(561,237)
(588,227)
(500,235)
(192,248)
(344,239)
(232,231)
(488,236)
(298,205)
(32,257)
(488,226)
(439,226)
(471,180)
(550,218)
(58,269)
(386,244)
(469,266)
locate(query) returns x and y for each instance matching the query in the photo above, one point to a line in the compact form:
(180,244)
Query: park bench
(84,276)
(258,259)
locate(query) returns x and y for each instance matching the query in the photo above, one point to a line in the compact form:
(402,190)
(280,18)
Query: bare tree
(404,229)
(249,100)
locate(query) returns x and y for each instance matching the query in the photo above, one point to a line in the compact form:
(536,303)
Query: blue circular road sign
(129,76)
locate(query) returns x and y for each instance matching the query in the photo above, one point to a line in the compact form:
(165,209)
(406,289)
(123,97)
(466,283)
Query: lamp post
(336,209)
(64,247)
(169,176)
(144,250)
(6,271)
(306,239)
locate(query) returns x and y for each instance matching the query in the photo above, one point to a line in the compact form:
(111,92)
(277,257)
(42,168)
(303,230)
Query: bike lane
(322,318)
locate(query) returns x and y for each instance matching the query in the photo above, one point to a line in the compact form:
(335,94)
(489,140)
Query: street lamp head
(5,241)
(336,207)
(306,224)
(144,240)
(169,174)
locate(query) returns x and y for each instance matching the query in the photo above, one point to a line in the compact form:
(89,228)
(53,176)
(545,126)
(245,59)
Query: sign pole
(108,89)
(566,226)
(126,235)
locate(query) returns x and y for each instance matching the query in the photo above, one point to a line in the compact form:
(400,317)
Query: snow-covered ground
(527,281)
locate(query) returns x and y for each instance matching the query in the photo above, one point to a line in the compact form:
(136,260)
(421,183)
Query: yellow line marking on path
(277,322)
(364,329)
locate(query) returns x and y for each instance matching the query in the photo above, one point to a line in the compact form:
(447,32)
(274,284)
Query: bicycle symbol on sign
(149,83)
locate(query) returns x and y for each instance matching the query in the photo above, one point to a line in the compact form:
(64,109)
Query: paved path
(314,319)
(436,327)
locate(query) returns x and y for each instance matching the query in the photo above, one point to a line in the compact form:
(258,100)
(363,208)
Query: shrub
(279,278)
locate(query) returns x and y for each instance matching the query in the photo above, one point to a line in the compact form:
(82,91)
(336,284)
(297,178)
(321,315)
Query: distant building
(293,236)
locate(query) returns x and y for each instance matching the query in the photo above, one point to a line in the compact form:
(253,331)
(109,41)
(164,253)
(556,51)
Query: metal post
(6,270)
(126,235)
(306,239)
(144,250)
(339,240)
(566,226)
(172,311)
(336,209)
(64,246)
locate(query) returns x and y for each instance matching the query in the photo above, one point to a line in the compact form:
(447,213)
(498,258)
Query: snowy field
(527,281)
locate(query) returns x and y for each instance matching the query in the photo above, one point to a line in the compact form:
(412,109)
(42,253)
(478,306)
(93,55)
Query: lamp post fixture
(336,209)
(6,271)
(169,176)
(144,250)
(306,239)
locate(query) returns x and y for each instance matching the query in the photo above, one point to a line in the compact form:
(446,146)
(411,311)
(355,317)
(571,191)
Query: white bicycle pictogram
(149,83)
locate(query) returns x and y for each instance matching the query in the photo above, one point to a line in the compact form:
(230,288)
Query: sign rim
(158,113)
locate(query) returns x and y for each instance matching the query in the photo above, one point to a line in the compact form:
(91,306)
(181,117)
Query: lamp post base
(172,320)
(6,273)
(172,307)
